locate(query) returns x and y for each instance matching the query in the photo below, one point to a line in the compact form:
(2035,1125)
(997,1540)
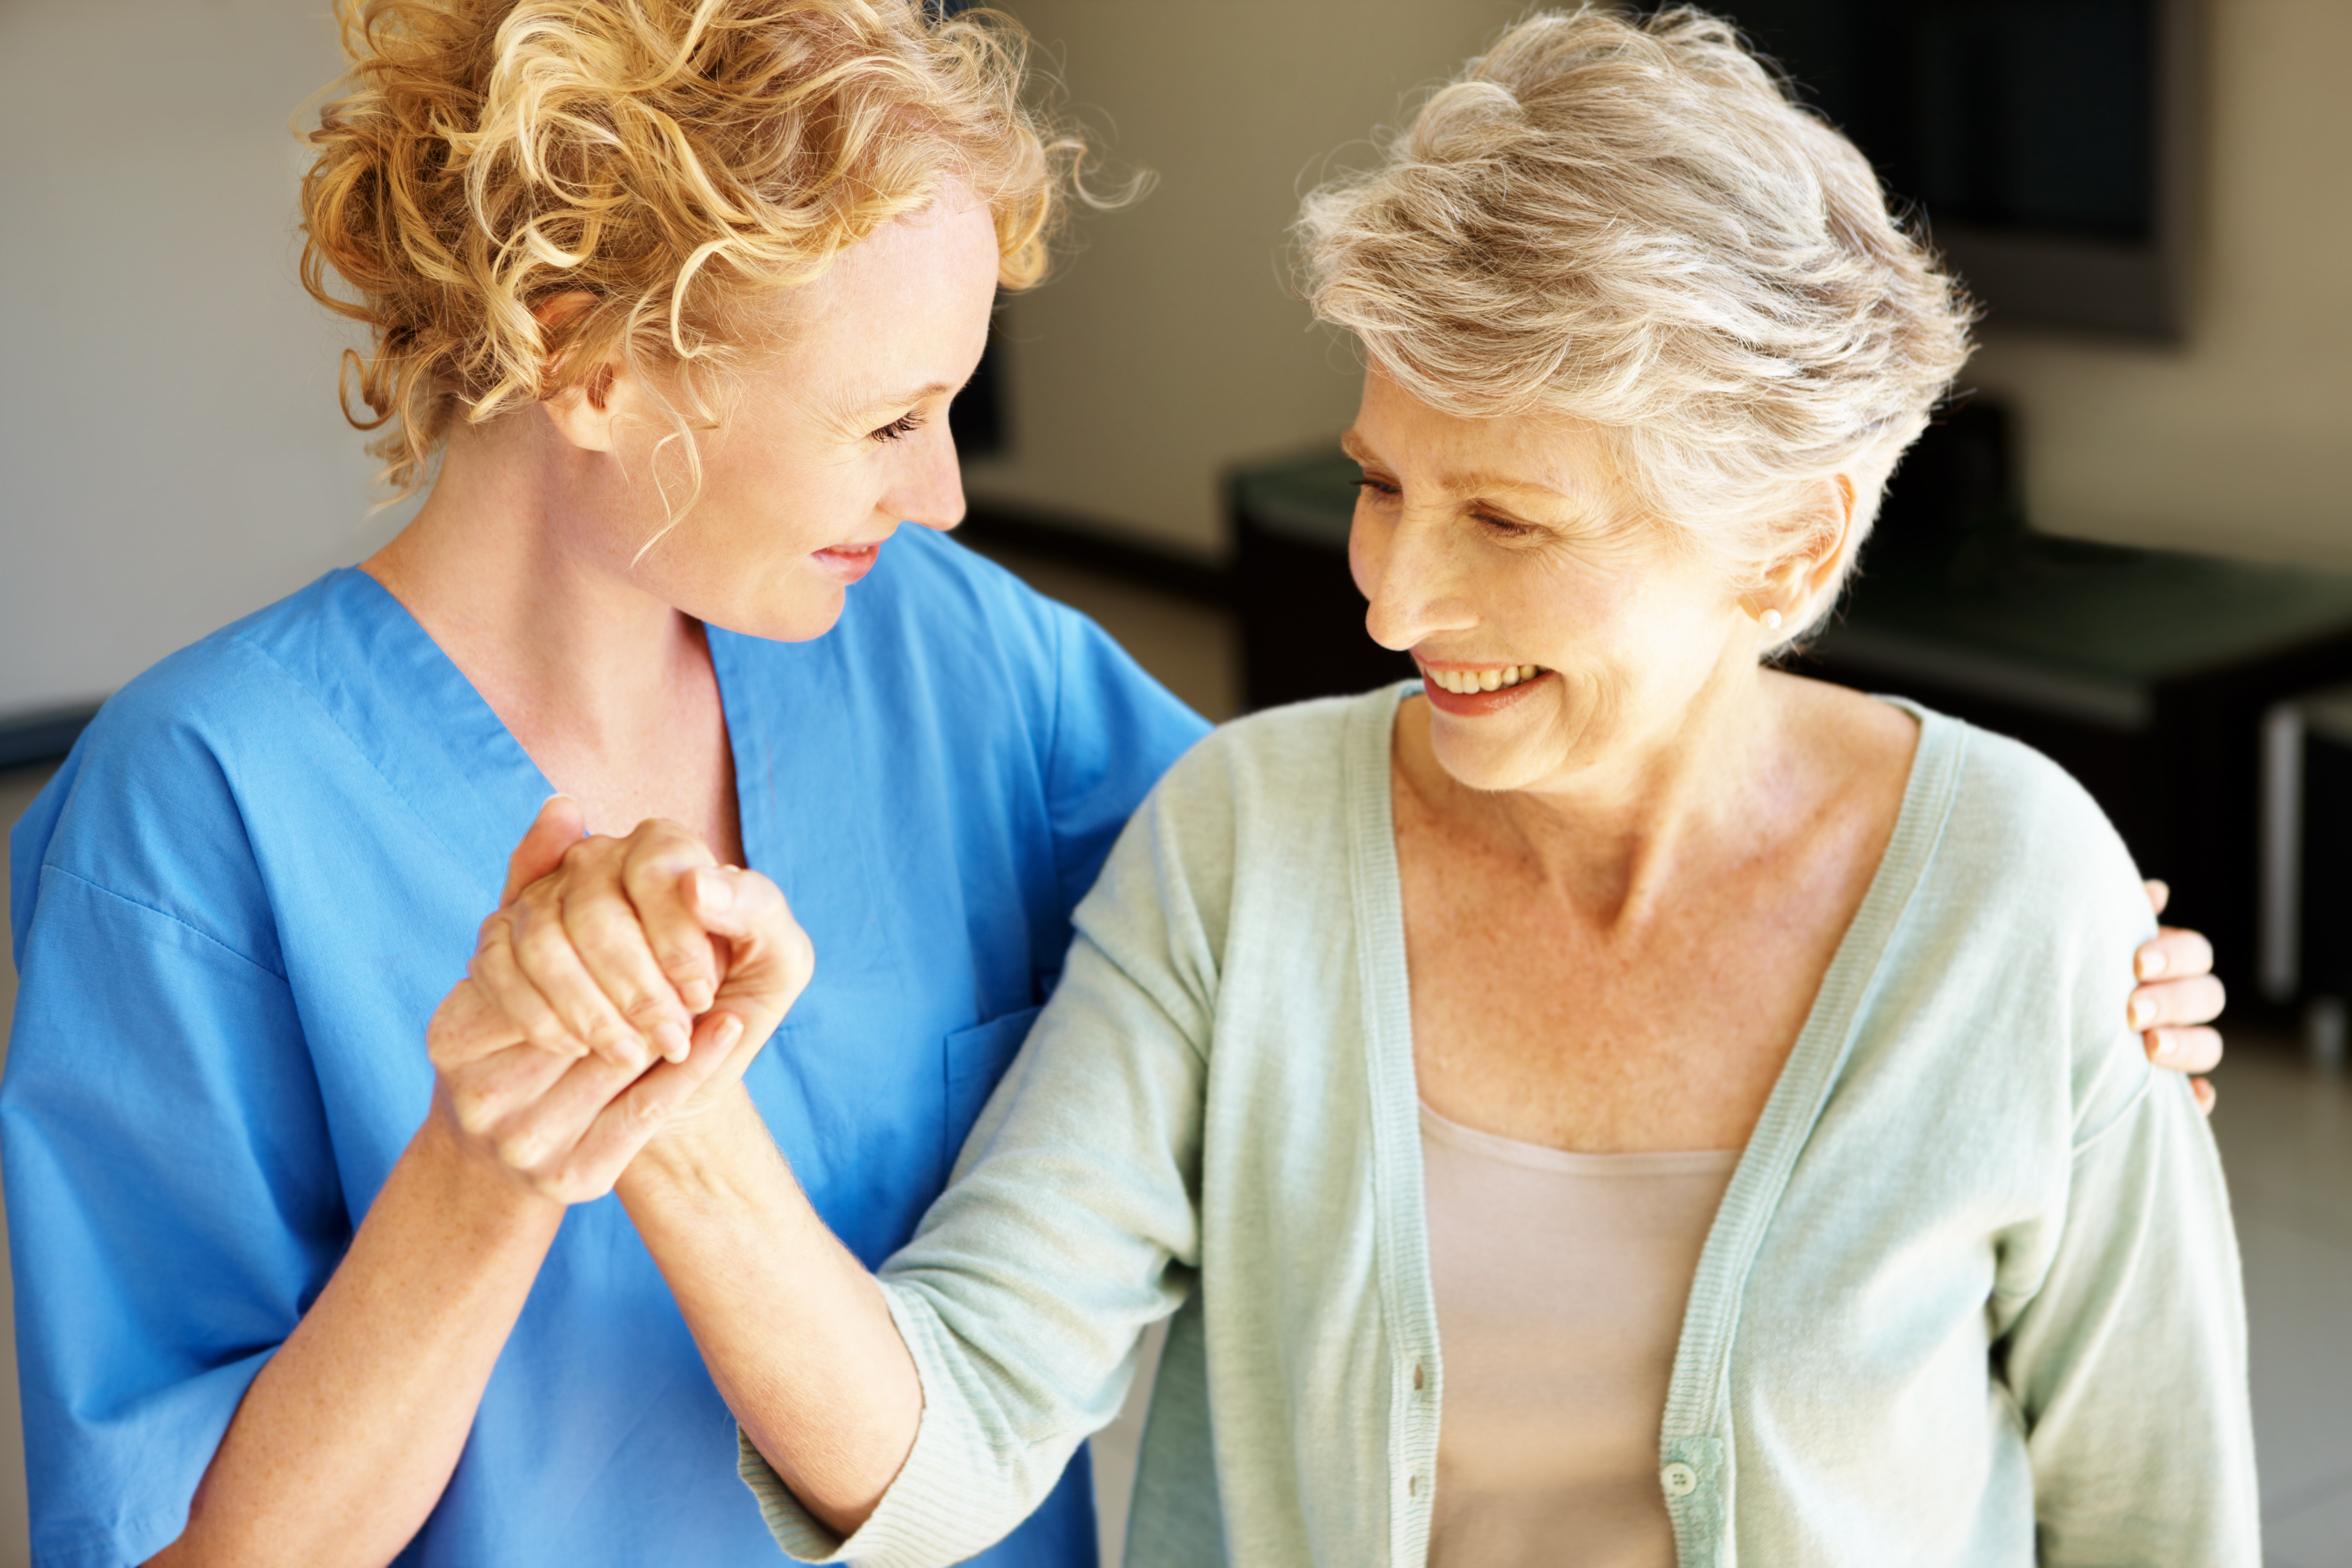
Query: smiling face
(1560,630)
(833,437)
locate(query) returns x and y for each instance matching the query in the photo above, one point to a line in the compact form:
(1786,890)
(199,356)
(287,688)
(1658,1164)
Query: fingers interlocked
(608,998)
(566,1124)
(602,955)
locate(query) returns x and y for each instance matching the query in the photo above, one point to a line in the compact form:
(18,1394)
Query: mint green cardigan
(1972,1297)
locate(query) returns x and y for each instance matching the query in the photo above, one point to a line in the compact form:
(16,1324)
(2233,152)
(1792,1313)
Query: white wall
(1169,348)
(171,456)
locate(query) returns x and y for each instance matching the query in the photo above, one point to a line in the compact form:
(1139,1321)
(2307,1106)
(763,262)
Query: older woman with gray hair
(1612,1101)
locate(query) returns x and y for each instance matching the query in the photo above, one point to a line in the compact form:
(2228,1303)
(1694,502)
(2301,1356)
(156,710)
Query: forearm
(2129,1364)
(794,1328)
(346,1439)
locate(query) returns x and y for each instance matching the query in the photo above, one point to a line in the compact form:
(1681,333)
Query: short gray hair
(1634,224)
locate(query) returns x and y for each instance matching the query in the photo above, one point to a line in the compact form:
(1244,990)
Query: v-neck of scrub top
(1560,1281)
(870,900)
(502,789)
(466,740)
(500,770)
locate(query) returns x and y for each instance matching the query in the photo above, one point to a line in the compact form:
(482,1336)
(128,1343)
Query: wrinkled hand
(621,987)
(2175,1001)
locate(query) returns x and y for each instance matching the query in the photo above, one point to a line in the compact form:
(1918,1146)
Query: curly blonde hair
(666,159)
(1634,224)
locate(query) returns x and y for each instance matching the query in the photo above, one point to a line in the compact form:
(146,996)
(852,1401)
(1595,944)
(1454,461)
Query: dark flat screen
(2011,116)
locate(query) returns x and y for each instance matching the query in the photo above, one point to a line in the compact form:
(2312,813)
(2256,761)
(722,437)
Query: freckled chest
(680,766)
(1538,1020)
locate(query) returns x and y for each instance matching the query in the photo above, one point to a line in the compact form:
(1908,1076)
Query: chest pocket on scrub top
(977,1058)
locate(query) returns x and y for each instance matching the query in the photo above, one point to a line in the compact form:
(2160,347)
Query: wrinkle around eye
(1505,527)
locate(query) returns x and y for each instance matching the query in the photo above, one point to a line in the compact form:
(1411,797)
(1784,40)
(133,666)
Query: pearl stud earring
(1771,620)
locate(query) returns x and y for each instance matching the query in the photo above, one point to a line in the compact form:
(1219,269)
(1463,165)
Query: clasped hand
(619,991)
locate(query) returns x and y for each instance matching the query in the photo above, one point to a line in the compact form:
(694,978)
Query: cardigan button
(1679,1480)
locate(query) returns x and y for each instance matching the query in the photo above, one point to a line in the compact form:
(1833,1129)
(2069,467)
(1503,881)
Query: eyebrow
(1464,481)
(898,399)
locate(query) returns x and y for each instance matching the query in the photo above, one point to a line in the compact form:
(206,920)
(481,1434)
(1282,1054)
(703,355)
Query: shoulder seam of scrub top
(50,867)
(367,580)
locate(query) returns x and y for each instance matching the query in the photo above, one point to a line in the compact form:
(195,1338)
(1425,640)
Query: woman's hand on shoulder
(2177,998)
(623,984)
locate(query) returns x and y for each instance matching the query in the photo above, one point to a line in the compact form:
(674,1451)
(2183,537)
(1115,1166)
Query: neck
(511,565)
(1617,837)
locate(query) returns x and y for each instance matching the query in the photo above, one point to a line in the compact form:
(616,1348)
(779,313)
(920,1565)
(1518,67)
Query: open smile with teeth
(1463,682)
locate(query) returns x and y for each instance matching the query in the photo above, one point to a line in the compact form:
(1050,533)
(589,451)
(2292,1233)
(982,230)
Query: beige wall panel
(1168,345)
(2234,441)
(169,437)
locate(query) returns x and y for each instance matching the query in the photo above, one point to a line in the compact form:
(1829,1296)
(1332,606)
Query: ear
(587,411)
(1833,538)
(1818,561)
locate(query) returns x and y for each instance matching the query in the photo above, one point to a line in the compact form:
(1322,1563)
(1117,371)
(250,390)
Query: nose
(1407,571)
(927,489)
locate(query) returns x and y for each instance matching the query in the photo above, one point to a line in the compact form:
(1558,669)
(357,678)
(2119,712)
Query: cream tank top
(1560,1281)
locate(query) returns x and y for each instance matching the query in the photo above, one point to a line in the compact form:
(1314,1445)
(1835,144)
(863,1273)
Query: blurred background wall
(1168,347)
(171,456)
(2232,441)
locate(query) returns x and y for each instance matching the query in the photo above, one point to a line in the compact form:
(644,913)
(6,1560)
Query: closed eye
(899,429)
(1503,527)
(1498,526)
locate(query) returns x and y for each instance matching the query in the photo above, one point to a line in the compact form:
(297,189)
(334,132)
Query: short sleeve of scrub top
(236,905)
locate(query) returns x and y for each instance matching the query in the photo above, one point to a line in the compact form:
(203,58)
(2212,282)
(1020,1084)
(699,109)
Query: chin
(795,610)
(1493,766)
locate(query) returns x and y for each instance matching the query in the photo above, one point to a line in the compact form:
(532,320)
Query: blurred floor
(2285,1134)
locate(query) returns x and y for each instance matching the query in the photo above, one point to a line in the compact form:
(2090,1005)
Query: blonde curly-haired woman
(675,295)
(1607,1102)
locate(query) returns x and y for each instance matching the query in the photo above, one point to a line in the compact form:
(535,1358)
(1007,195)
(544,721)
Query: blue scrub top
(242,897)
